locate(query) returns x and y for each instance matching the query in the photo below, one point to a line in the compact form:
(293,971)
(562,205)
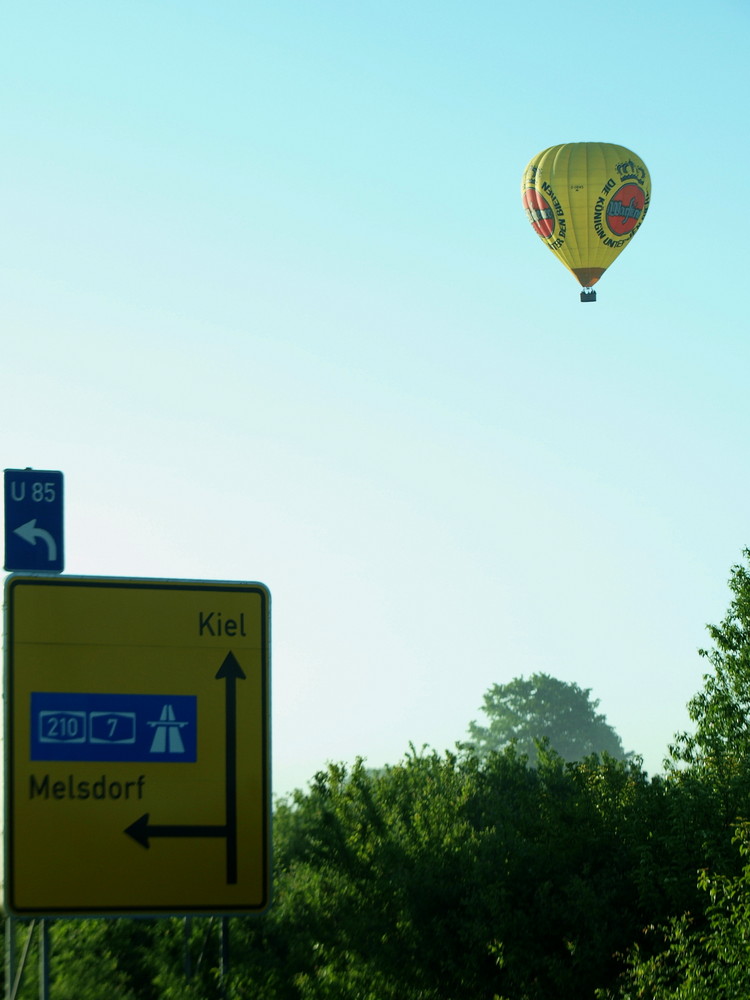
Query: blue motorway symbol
(114,727)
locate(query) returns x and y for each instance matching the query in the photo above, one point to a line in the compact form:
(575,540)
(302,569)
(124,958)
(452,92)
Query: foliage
(89,958)
(721,711)
(128,959)
(86,954)
(715,758)
(697,963)
(543,709)
(439,878)
(458,877)
(705,951)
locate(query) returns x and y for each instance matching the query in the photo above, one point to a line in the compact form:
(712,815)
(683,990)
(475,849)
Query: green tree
(704,952)
(542,709)
(446,877)
(712,763)
(698,960)
(89,959)
(721,711)
(458,877)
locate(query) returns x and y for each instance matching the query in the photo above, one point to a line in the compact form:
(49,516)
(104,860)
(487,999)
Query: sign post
(34,521)
(137,746)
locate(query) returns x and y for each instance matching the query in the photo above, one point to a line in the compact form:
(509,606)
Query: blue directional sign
(109,727)
(34,521)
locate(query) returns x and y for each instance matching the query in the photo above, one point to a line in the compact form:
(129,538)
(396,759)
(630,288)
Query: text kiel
(213,623)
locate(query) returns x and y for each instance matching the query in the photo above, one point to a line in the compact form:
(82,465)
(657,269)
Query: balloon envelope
(586,200)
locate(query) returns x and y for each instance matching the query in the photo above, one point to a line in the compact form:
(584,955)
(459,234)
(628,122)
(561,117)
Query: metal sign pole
(19,971)
(224,957)
(44,953)
(10,955)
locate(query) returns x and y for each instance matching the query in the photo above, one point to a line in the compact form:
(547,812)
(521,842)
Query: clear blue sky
(270,301)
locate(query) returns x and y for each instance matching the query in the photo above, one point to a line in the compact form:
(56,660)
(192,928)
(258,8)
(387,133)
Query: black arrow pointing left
(142,831)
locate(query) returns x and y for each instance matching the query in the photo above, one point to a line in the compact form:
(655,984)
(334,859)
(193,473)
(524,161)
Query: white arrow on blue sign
(34,521)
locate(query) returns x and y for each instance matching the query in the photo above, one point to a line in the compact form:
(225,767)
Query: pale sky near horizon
(270,302)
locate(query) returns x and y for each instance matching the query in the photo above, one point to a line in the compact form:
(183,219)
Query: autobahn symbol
(167,736)
(137,717)
(167,729)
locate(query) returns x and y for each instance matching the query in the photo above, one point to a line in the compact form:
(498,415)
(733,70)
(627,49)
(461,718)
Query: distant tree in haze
(542,709)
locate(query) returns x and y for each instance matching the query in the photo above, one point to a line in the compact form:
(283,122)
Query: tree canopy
(542,709)
(707,958)
(704,953)
(721,711)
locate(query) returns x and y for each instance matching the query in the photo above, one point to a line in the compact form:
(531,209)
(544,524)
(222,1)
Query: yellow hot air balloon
(586,200)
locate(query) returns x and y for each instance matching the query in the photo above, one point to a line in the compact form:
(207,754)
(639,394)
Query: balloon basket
(588,295)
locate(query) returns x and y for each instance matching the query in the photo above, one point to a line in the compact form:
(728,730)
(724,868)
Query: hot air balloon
(586,200)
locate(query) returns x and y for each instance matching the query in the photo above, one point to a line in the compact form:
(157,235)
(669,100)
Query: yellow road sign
(137,771)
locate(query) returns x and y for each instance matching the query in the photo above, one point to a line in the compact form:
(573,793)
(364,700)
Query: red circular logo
(541,216)
(625,209)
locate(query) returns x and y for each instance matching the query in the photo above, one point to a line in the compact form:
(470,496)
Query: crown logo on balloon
(631,171)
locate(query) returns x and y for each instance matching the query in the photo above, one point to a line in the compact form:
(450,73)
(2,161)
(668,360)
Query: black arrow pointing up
(142,831)
(231,671)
